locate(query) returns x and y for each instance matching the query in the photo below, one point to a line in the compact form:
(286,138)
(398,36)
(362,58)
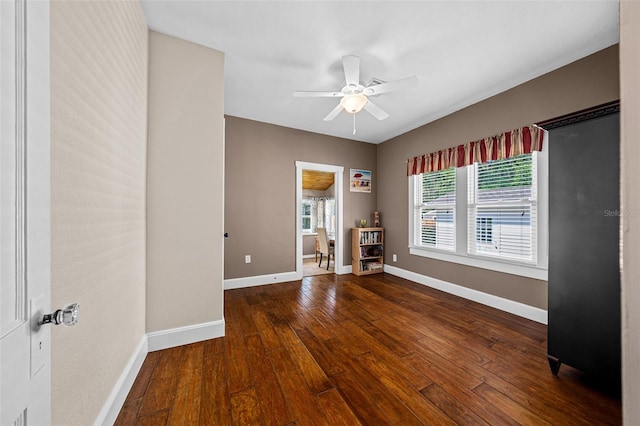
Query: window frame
(461,256)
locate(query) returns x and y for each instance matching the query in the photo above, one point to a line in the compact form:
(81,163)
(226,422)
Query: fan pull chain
(354,124)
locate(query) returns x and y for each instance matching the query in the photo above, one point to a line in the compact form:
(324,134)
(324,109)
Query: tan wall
(582,84)
(184,183)
(630,221)
(308,244)
(260,171)
(99,56)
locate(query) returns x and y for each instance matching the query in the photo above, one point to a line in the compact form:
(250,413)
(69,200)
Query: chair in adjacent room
(325,248)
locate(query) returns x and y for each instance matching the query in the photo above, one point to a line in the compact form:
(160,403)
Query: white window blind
(502,206)
(434,210)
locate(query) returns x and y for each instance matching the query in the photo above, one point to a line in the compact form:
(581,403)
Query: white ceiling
(461,52)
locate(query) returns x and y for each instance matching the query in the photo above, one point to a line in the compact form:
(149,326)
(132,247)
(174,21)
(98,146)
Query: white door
(25,372)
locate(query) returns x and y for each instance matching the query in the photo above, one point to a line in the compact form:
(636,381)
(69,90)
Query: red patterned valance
(508,144)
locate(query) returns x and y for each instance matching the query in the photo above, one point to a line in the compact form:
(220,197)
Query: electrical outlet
(395,257)
(247,258)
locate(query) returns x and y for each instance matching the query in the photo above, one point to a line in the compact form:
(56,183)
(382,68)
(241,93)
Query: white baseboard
(185,335)
(308,256)
(346,269)
(516,308)
(261,280)
(112,406)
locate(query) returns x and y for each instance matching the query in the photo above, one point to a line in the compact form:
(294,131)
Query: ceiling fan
(354,95)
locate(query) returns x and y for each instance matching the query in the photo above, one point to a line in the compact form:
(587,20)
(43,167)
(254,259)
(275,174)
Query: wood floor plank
(163,383)
(422,407)
(360,401)
(186,405)
(516,411)
(144,375)
(452,351)
(215,401)
(266,330)
(158,418)
(398,347)
(453,408)
(467,372)
(547,388)
(336,409)
(213,346)
(384,355)
(311,322)
(354,311)
(264,381)
(236,359)
(130,409)
(323,356)
(314,376)
(245,408)
(388,403)
(375,350)
(354,346)
(301,402)
(440,369)
(129,412)
(244,317)
(459,384)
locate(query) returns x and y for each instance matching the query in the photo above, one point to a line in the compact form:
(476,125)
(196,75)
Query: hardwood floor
(372,350)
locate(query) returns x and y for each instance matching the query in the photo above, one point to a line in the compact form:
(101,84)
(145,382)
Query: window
(435,210)
(502,208)
(490,215)
(318,212)
(306,215)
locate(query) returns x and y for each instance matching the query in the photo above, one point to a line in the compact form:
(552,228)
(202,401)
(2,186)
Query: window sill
(507,268)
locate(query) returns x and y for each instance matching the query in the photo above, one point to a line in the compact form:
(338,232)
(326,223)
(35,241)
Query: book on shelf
(374,266)
(370,237)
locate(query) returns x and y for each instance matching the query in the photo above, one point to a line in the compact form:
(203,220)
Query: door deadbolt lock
(67,316)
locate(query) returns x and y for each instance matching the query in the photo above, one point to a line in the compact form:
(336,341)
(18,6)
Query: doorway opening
(318,205)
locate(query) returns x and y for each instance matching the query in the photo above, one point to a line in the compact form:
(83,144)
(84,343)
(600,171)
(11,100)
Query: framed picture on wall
(359,180)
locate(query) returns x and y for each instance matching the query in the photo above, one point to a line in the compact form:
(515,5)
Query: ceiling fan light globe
(353,103)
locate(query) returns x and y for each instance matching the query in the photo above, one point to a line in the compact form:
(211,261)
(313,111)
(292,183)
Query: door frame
(338,172)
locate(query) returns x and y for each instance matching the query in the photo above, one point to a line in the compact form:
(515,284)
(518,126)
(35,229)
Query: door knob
(67,316)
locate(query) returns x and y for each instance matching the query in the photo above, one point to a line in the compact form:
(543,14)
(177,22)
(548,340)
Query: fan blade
(375,110)
(391,86)
(334,113)
(318,94)
(351,65)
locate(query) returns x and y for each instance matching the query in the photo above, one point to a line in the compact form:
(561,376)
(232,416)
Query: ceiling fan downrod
(354,124)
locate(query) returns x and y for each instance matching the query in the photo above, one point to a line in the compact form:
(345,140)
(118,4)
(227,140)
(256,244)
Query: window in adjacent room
(318,212)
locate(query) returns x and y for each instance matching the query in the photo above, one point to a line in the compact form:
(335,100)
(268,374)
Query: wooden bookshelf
(367,250)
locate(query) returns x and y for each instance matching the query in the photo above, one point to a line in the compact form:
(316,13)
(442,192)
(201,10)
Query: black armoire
(584,268)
